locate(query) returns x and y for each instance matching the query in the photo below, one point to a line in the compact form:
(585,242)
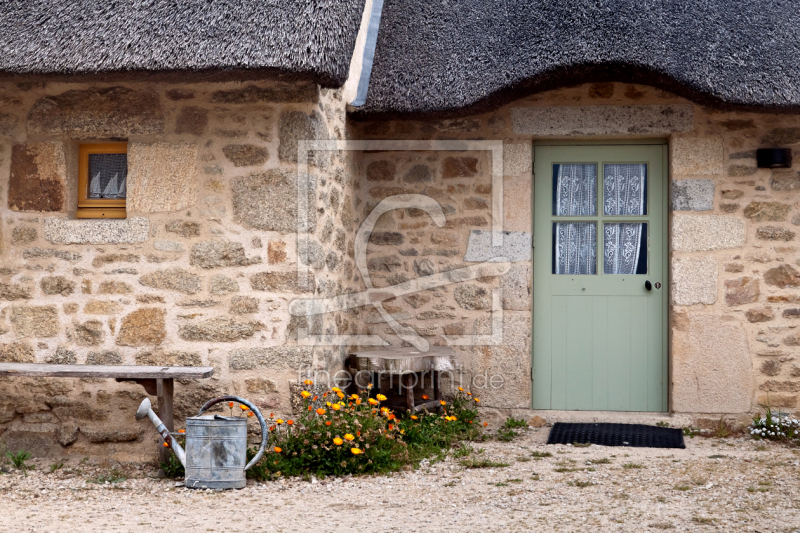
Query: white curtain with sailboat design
(108,175)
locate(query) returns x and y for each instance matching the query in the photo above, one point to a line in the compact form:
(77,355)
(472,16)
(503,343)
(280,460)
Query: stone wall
(734,274)
(200,273)
(203,270)
(407,244)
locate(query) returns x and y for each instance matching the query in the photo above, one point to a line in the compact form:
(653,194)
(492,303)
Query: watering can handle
(255,410)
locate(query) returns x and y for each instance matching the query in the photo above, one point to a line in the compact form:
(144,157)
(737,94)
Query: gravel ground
(734,484)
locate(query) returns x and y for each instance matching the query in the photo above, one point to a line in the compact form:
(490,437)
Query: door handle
(648,285)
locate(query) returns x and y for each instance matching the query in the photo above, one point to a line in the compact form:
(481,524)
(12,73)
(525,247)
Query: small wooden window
(102,180)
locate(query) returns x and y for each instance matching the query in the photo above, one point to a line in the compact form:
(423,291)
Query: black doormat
(634,435)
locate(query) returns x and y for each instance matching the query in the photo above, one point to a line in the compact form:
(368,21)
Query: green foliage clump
(483,463)
(173,467)
(508,431)
(337,435)
(690,432)
(514,423)
(775,426)
(115,475)
(19,460)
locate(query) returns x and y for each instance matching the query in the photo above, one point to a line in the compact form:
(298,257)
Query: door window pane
(575,190)
(625,189)
(625,248)
(574,248)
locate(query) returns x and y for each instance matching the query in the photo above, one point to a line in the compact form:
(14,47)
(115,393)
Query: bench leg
(164,389)
(375,380)
(408,385)
(437,385)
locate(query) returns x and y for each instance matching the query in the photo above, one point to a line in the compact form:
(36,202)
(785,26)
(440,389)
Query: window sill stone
(96,231)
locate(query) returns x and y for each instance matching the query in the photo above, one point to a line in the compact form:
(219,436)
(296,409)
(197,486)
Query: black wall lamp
(774,157)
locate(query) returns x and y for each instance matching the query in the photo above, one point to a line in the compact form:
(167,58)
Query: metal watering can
(216,446)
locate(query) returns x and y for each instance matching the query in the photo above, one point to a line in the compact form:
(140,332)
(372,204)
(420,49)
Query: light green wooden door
(600,278)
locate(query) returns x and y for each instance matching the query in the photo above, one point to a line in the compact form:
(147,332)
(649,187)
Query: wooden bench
(409,364)
(157,381)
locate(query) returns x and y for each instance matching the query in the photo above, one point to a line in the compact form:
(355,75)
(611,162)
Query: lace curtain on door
(576,195)
(623,195)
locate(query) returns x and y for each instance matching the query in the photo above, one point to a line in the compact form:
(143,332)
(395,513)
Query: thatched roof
(303,38)
(453,56)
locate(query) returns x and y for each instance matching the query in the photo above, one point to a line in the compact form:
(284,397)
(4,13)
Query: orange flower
(391,427)
(336,407)
(166,445)
(321,411)
(461,389)
(414,417)
(272,428)
(469,394)
(355,451)
(309,408)
(470,421)
(230,404)
(340,394)
(243,407)
(358,433)
(443,402)
(478,400)
(308,382)
(250,414)
(315,398)
(278,450)
(279,421)
(272,415)
(337,441)
(425,397)
(305,394)
(325,395)
(354,396)
(349,437)
(336,389)
(328,423)
(485,424)
(380,397)
(181,431)
(358,401)
(290,422)
(373,401)
(392,417)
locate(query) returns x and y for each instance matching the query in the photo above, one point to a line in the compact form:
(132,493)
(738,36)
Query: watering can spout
(146,411)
